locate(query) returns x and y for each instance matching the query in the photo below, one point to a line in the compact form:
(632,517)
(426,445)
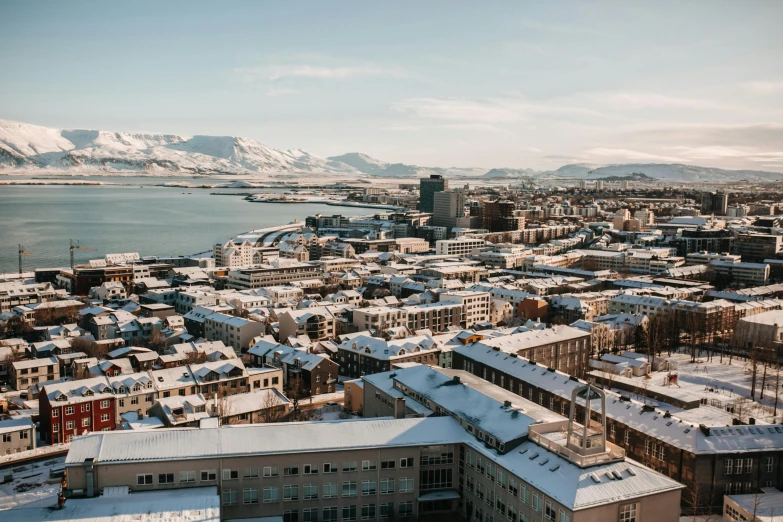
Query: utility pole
(22,252)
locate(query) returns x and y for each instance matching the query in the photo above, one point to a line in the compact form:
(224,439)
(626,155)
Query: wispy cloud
(273,91)
(316,68)
(484,110)
(654,100)
(764,87)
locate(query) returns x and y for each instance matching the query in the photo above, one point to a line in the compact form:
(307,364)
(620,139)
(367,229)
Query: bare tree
(89,347)
(195,357)
(601,338)
(296,391)
(156,341)
(273,408)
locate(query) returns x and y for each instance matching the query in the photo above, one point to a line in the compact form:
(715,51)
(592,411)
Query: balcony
(552,436)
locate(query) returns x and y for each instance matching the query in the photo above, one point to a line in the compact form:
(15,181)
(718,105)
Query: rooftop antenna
(76,245)
(22,252)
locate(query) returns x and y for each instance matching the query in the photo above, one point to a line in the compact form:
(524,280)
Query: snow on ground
(30,487)
(720,384)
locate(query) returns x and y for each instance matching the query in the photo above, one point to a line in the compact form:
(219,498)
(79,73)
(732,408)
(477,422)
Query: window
(85,422)
(627,437)
(769,464)
(349,512)
(165,478)
(330,468)
(387,510)
(69,410)
(310,515)
(330,514)
(368,512)
(512,513)
(104,404)
(406,463)
(251,473)
(349,489)
(330,490)
(368,487)
(250,496)
(271,471)
(290,472)
(55,428)
(310,469)
(748,465)
(369,465)
(230,497)
(105,417)
(349,465)
(187,476)
(310,491)
(628,513)
(549,512)
(144,480)
(406,485)
(387,486)
(536,503)
(55,413)
(6,437)
(291,492)
(729,466)
(271,494)
(406,509)
(564,517)
(69,425)
(208,475)
(230,474)
(387,464)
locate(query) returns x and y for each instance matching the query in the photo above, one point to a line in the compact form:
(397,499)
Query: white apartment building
(457,247)
(475,305)
(278,272)
(231,254)
(435,316)
(752,274)
(233,331)
(379,318)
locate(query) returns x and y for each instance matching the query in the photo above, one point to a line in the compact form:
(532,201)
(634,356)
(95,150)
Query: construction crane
(22,252)
(76,245)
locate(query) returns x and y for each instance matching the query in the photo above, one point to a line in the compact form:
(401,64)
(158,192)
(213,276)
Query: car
(23,396)
(3,389)
(331,403)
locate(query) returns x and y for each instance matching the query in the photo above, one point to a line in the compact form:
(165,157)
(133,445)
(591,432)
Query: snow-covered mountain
(662,172)
(32,147)
(509,173)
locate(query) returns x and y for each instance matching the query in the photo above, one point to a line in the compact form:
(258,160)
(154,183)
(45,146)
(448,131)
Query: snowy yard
(31,485)
(721,385)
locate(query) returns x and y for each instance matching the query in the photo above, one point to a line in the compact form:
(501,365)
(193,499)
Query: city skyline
(496,85)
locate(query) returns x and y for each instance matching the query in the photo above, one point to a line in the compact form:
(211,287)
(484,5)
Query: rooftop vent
(631,472)
(617,475)
(595,478)
(456,379)
(507,404)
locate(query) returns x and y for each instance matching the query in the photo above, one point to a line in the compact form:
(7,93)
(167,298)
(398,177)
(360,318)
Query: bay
(139,218)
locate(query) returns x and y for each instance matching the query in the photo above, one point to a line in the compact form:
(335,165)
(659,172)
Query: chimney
(139,414)
(399,408)
(456,379)
(507,404)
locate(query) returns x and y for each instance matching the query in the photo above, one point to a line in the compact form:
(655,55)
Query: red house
(75,408)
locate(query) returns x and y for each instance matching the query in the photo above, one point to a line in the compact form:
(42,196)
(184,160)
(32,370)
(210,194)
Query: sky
(488,84)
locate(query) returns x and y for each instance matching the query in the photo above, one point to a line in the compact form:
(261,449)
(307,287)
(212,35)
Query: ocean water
(139,218)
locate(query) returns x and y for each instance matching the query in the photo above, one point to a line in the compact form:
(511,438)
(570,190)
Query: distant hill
(509,173)
(662,172)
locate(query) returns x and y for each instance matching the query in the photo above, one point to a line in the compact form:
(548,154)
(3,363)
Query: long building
(428,469)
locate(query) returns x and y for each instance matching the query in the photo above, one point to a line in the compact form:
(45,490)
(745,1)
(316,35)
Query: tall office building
(427,189)
(714,203)
(449,210)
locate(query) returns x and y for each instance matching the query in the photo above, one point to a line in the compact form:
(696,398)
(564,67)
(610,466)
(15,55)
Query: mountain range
(29,147)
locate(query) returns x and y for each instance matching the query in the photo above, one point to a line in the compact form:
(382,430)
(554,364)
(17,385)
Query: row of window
(86,422)
(328,514)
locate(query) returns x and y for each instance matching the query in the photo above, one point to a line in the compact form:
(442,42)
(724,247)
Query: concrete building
(436,317)
(757,247)
(233,331)
(397,469)
(17,435)
(33,371)
(458,247)
(379,318)
(318,323)
(449,210)
(475,305)
(714,203)
(365,355)
(278,272)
